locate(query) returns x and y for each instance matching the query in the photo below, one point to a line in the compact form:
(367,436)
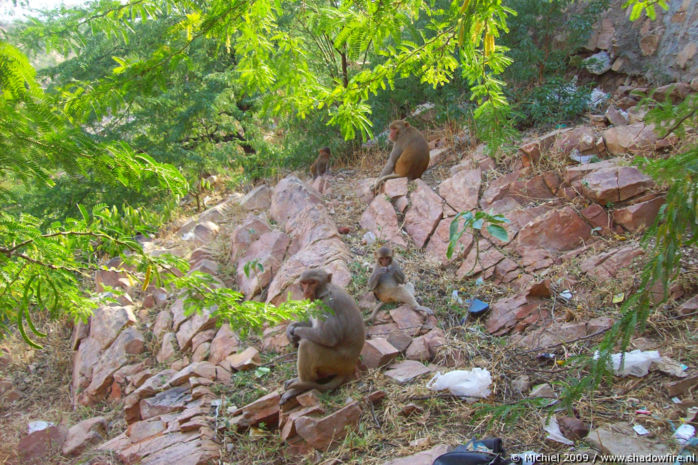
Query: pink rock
(199,369)
(265,409)
(39,446)
(438,243)
(84,361)
(406,371)
(320,433)
(258,198)
(205,265)
(418,350)
(573,173)
(517,312)
(401,204)
(639,216)
(477,261)
(262,259)
(581,138)
(690,306)
(200,321)
(563,333)
(171,400)
(290,197)
(205,232)
(274,339)
(497,189)
(423,214)
(381,219)
(638,139)
(83,435)
(407,319)
(168,348)
(597,216)
(322,184)
(462,190)
(560,229)
(331,255)
(434,339)
(80,331)
(533,259)
(378,352)
(224,344)
(287,422)
(616,117)
(200,254)
(249,231)
(312,224)
(530,190)
(606,265)
(426,457)
(108,321)
(163,323)
(145,429)
(111,360)
(615,184)
(395,187)
(245,360)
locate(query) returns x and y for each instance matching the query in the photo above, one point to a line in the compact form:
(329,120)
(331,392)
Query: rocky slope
(172,377)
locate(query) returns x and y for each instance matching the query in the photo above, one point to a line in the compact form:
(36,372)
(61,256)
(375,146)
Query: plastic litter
(684,433)
(525,458)
(566,295)
(641,430)
(477,307)
(635,363)
(463,383)
(39,425)
(476,452)
(554,433)
(456,298)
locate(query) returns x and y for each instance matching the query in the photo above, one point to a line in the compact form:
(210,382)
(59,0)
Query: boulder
(461,191)
(560,229)
(438,243)
(249,231)
(258,198)
(224,343)
(380,218)
(378,352)
(320,433)
(615,184)
(290,197)
(406,371)
(639,216)
(265,409)
(260,262)
(395,187)
(423,214)
(107,322)
(312,224)
(606,265)
(83,435)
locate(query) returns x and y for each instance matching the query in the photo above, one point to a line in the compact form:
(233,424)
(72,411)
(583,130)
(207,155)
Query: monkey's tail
(328,386)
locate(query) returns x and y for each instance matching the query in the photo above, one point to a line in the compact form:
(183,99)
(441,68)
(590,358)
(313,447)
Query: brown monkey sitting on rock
(387,283)
(321,164)
(409,157)
(328,345)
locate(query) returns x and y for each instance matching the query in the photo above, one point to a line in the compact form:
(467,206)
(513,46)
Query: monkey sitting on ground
(387,283)
(329,345)
(321,164)
(409,157)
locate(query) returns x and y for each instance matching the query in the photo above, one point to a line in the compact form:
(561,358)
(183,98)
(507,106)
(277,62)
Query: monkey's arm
(323,335)
(397,273)
(291,334)
(392,159)
(373,280)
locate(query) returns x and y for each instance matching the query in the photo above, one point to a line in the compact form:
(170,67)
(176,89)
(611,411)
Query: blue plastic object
(477,307)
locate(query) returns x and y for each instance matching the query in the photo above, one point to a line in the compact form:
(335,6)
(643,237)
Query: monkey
(387,283)
(321,164)
(409,157)
(329,345)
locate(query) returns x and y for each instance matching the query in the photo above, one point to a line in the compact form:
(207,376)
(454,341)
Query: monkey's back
(414,160)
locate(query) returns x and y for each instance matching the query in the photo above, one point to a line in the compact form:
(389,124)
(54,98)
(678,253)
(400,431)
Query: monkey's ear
(329,277)
(407,125)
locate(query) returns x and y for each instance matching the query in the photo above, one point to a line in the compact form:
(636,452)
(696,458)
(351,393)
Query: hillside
(146,383)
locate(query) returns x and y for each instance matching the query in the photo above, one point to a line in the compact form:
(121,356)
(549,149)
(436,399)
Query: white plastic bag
(637,363)
(464,383)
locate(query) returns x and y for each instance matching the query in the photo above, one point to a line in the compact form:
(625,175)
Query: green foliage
(474,222)
(637,7)
(555,101)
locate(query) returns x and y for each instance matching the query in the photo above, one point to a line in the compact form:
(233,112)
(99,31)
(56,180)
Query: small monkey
(387,283)
(329,345)
(321,164)
(410,155)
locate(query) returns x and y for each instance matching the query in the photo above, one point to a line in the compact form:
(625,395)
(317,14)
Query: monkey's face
(309,288)
(394,133)
(385,261)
